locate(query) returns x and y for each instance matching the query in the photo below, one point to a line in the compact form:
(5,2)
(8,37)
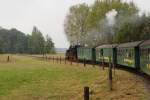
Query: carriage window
(126,50)
(130,54)
(148,54)
(120,52)
(101,52)
(145,54)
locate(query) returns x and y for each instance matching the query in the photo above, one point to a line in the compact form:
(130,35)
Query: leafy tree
(94,21)
(49,45)
(97,22)
(18,41)
(75,23)
(101,7)
(36,42)
(135,29)
(14,41)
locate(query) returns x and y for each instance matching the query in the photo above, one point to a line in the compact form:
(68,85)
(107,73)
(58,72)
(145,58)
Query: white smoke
(111,17)
(105,32)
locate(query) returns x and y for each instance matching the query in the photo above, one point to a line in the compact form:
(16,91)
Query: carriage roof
(129,44)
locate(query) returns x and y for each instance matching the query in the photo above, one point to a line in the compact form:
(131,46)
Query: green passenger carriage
(106,53)
(86,53)
(128,54)
(134,55)
(145,57)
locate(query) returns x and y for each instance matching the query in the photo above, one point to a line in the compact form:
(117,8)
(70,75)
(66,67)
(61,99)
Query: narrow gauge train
(135,55)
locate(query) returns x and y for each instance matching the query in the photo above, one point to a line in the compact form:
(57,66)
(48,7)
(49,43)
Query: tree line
(14,41)
(90,25)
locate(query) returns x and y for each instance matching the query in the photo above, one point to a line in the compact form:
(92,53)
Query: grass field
(28,78)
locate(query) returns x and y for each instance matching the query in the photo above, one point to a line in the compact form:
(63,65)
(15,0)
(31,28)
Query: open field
(28,78)
(52,55)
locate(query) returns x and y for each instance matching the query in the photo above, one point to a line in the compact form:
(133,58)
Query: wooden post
(71,61)
(110,76)
(114,65)
(77,62)
(53,59)
(43,56)
(84,62)
(86,93)
(46,57)
(60,59)
(100,64)
(103,63)
(50,58)
(65,60)
(8,59)
(93,63)
(57,59)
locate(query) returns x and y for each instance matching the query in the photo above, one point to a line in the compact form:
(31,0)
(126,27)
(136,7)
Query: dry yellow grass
(28,78)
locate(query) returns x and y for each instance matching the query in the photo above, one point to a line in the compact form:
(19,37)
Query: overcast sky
(47,15)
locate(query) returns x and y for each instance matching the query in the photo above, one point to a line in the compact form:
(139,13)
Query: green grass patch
(27,78)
